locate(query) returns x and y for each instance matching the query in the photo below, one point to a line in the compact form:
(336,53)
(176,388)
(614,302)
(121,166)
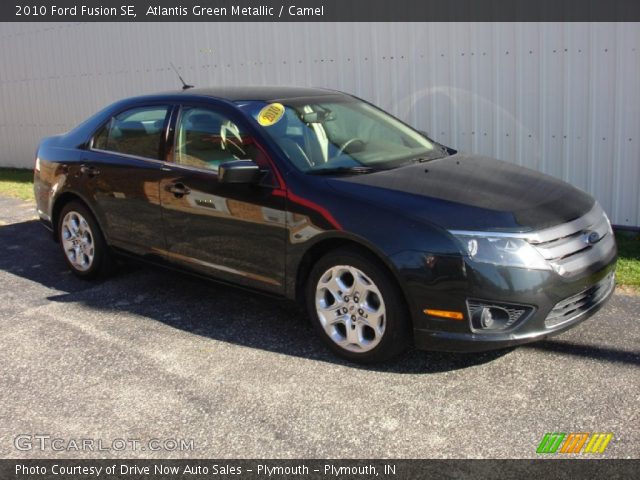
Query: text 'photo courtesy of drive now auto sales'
(198,470)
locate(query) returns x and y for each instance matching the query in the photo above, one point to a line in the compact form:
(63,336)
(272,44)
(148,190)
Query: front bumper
(539,326)
(556,303)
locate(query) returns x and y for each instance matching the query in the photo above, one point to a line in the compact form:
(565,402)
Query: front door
(234,232)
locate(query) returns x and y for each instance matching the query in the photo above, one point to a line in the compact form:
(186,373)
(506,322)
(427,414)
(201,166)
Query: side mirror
(239,171)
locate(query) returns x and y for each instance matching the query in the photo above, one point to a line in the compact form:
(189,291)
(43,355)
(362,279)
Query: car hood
(470,192)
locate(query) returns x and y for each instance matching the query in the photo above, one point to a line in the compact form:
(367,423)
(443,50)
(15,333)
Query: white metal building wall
(563,98)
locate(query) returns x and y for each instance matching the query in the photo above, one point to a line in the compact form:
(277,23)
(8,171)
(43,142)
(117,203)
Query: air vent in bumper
(572,307)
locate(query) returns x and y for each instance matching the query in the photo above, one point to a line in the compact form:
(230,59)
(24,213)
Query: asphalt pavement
(153,355)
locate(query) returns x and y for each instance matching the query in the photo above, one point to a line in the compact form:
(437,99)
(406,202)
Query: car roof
(262,93)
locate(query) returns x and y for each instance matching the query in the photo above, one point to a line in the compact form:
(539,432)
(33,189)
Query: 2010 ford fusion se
(386,236)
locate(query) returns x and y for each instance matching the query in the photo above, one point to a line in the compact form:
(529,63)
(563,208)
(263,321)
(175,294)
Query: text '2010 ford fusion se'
(387,237)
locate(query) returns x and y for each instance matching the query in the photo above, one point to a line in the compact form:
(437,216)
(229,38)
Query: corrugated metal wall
(563,98)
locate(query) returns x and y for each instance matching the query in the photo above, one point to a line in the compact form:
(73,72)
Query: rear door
(231,231)
(122,168)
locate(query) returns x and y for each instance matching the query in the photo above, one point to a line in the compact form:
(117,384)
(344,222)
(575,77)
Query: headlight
(502,250)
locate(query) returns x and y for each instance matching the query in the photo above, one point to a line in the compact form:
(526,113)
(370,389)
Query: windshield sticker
(271,114)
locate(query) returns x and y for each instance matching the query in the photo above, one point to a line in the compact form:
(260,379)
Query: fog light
(485,316)
(493,317)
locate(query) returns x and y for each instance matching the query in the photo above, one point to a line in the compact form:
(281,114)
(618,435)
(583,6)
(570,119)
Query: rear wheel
(356,307)
(82,242)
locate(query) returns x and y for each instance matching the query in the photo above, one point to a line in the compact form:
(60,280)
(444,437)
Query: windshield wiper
(427,158)
(440,151)
(341,171)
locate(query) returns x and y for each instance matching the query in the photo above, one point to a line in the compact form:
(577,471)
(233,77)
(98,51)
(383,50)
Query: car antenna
(185,85)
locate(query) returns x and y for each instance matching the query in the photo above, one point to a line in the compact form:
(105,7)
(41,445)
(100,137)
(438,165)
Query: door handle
(89,170)
(179,190)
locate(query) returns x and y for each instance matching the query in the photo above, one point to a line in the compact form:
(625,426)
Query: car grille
(574,306)
(571,247)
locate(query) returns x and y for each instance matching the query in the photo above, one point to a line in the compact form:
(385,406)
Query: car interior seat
(292,149)
(132,138)
(201,143)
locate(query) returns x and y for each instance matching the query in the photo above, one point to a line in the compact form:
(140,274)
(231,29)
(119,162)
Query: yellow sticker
(270,114)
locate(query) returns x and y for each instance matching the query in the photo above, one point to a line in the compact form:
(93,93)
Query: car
(387,237)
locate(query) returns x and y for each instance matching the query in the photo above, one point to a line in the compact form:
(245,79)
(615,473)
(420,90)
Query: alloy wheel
(350,308)
(77,241)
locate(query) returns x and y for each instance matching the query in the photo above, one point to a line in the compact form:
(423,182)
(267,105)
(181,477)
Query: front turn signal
(444,314)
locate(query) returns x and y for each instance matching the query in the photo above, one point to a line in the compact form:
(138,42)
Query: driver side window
(205,139)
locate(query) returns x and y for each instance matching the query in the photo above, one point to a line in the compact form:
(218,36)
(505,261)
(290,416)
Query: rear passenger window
(134,132)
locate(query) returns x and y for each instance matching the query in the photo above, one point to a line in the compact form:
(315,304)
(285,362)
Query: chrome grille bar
(573,246)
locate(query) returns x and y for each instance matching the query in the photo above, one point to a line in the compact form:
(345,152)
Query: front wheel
(357,307)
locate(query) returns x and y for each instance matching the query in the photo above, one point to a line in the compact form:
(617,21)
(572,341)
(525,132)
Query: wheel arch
(59,203)
(326,245)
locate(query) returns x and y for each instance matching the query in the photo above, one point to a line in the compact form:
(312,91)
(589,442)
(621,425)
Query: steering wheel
(344,146)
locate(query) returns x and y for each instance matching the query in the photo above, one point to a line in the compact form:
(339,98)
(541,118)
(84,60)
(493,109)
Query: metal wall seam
(560,98)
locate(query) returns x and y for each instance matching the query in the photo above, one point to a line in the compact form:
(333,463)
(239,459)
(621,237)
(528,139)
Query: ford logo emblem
(591,237)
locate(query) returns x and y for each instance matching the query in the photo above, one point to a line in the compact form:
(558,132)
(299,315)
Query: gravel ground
(149,354)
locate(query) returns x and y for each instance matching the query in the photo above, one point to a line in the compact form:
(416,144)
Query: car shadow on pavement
(191,304)
(605,354)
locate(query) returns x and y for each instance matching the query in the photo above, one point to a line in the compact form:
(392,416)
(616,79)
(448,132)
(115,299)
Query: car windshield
(337,133)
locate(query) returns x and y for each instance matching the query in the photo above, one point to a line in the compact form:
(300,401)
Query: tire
(357,307)
(82,242)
